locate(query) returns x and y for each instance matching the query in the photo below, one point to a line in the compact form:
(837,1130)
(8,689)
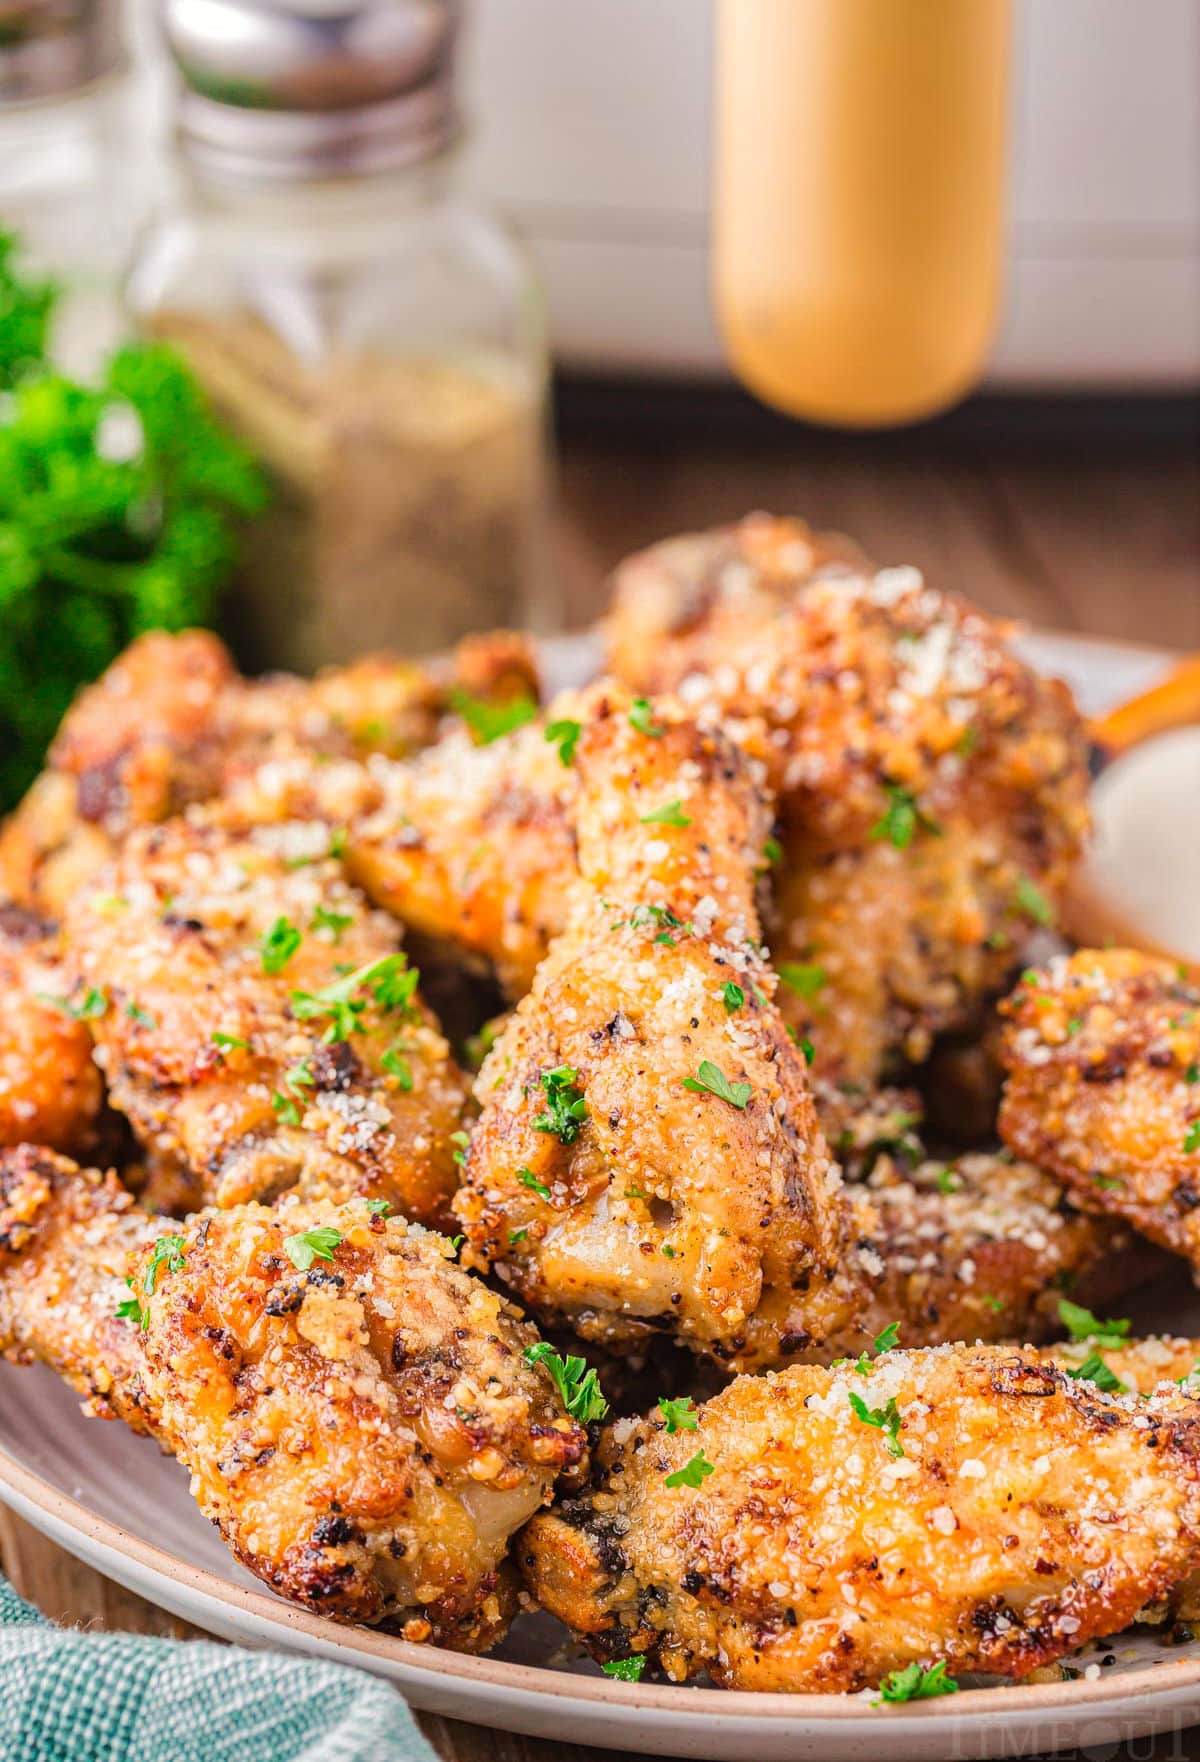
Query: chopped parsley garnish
(915,1683)
(884,1419)
(947,1180)
(1081,1324)
(565,735)
(529,1179)
(884,1341)
(1191,1139)
(230,1042)
(129,1309)
(278,944)
(390,980)
(487,720)
(92,1004)
(806,1047)
(711,1078)
(1094,1370)
(578,1387)
(335,922)
(1030,900)
(462,1140)
(773,851)
(285,1107)
(310,1245)
(901,818)
(671,814)
(565,1109)
(168,1252)
(1192,1074)
(1108,1181)
(626,1669)
(662,915)
(732,996)
(692,1474)
(396,1065)
(142,1017)
(379,1207)
(994,1303)
(515,1236)
(298,1077)
(642,718)
(805,978)
(680,1415)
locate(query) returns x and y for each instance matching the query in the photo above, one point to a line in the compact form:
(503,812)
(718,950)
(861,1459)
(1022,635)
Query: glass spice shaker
(374,336)
(69,185)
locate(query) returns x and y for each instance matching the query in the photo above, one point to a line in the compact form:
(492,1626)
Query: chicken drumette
(817,1529)
(259,1025)
(357,1414)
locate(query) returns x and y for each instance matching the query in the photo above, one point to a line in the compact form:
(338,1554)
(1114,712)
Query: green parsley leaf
(390,980)
(379,1207)
(1030,900)
(773,852)
(805,978)
(915,1683)
(530,1180)
(709,1077)
(278,945)
(488,720)
(309,1245)
(1081,1324)
(396,1065)
(565,734)
(463,1141)
(670,815)
(335,922)
(1191,1139)
(626,1669)
(1192,1074)
(642,718)
(692,1474)
(515,1236)
(168,1252)
(901,818)
(995,1304)
(230,1042)
(286,1109)
(578,1387)
(565,1109)
(947,1180)
(1108,1181)
(93,1003)
(732,996)
(129,1309)
(680,1415)
(807,1048)
(885,1419)
(142,1017)
(1094,1370)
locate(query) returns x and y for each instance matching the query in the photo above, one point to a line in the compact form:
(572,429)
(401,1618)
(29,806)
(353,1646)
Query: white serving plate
(115,1502)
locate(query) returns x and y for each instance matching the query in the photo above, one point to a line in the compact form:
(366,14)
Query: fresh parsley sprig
(566,1109)
(710,1079)
(578,1387)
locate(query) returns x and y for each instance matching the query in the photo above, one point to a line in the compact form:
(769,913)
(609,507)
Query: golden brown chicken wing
(50,1088)
(356,1412)
(648,1155)
(1102,1051)
(259,1025)
(970,1507)
(932,787)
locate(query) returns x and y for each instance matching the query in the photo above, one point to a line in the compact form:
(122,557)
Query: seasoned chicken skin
(1102,1051)
(648,1155)
(355,1411)
(50,1088)
(786,1544)
(932,788)
(259,1025)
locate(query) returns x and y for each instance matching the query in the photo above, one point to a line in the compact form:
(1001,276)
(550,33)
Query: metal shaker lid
(279,89)
(49,48)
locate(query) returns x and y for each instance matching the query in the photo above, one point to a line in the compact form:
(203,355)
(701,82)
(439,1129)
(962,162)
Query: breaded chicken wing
(818,1529)
(648,1155)
(356,1412)
(259,1025)
(1102,1051)
(50,1088)
(932,788)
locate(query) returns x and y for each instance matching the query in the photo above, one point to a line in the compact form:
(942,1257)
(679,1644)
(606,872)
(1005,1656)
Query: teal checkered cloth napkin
(74,1697)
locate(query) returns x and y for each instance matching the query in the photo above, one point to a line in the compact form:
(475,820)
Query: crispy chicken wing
(1102,1051)
(648,1155)
(820,1528)
(50,1088)
(355,1411)
(932,787)
(259,1025)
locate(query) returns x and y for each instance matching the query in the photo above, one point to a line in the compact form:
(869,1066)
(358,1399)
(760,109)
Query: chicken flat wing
(818,1529)
(356,1412)
(1102,1051)
(648,1155)
(932,787)
(259,1025)
(50,1088)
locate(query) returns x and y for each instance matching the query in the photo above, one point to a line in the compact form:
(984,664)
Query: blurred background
(440,309)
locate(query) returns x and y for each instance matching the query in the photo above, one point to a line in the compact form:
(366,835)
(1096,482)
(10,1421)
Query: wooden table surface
(1076,530)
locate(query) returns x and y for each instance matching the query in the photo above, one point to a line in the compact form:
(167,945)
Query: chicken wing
(932,787)
(648,1155)
(259,1025)
(1102,1051)
(817,1529)
(50,1088)
(356,1412)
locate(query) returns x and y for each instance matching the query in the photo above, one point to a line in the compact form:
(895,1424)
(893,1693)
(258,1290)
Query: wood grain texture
(1069,536)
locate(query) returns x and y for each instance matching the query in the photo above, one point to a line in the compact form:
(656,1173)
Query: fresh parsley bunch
(118,505)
